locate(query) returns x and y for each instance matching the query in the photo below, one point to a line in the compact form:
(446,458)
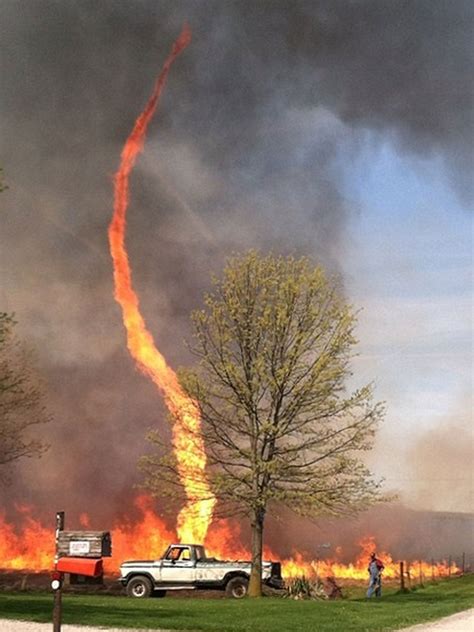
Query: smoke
(245,152)
(403,532)
(439,466)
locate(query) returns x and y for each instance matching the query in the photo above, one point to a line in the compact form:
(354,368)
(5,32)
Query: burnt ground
(11,581)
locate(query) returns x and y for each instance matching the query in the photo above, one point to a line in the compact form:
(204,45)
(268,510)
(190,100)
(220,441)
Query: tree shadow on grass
(39,610)
(30,610)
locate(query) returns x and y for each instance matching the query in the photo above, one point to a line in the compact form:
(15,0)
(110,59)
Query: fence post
(402,577)
(432,569)
(449,567)
(463,567)
(420,573)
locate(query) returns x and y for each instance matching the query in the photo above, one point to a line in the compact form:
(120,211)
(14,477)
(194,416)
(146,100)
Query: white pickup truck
(186,567)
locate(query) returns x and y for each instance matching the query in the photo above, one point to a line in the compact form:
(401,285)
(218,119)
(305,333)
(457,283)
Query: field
(354,613)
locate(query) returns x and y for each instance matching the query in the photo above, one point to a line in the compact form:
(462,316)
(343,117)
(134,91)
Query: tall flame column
(195,517)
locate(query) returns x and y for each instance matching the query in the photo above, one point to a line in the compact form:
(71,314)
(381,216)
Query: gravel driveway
(8,625)
(460,622)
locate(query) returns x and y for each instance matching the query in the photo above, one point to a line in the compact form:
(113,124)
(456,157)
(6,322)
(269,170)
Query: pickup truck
(186,567)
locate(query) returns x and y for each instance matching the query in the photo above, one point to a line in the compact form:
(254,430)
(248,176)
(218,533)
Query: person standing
(375,572)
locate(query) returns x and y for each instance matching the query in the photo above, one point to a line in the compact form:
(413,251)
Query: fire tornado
(194,518)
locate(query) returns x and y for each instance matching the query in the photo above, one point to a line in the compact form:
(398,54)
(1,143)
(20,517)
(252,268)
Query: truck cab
(179,563)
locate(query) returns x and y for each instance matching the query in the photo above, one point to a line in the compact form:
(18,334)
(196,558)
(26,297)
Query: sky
(413,282)
(340,130)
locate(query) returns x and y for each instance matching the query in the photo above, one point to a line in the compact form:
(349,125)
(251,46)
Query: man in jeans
(375,571)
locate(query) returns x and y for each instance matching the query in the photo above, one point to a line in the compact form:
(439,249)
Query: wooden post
(57,595)
(463,566)
(420,569)
(408,575)
(449,567)
(432,569)
(57,610)
(402,577)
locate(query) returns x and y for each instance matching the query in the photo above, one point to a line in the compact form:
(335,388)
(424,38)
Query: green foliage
(21,398)
(274,344)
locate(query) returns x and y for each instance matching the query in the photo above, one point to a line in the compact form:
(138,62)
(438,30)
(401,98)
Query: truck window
(179,553)
(174,553)
(199,552)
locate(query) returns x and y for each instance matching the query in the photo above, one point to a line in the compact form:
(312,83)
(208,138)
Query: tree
(21,398)
(274,344)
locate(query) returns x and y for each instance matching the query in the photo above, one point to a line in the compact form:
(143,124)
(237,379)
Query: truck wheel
(139,587)
(237,587)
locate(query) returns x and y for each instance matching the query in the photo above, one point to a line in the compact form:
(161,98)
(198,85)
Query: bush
(303,588)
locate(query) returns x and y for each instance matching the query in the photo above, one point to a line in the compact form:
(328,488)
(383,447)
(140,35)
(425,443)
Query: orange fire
(30,547)
(194,518)
(297,566)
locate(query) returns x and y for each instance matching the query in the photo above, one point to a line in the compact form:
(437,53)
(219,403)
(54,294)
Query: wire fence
(417,573)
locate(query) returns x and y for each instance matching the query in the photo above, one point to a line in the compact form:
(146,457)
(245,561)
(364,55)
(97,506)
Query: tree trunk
(255,586)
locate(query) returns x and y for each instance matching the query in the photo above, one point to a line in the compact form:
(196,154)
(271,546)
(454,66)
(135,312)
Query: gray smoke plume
(244,152)
(439,465)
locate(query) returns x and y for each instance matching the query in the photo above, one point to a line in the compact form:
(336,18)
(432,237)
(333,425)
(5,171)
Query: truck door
(178,566)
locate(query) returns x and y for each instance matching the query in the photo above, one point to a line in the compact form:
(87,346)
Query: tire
(237,587)
(139,587)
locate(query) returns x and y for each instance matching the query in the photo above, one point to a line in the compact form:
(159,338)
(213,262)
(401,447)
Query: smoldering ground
(244,152)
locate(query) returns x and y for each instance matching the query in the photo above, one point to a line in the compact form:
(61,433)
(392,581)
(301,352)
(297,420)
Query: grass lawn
(391,612)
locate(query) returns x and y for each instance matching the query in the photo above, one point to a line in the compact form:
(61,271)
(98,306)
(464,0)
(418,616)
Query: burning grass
(354,614)
(29,546)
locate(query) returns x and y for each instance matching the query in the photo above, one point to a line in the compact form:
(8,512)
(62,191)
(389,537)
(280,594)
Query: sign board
(79,547)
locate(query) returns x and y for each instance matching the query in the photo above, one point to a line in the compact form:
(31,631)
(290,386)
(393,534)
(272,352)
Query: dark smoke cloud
(244,153)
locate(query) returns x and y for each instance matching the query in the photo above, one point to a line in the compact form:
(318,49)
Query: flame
(194,518)
(298,566)
(30,547)
(144,540)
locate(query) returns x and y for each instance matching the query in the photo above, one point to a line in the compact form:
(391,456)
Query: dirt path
(460,622)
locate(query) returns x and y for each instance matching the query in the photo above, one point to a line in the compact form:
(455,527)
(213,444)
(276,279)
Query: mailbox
(80,566)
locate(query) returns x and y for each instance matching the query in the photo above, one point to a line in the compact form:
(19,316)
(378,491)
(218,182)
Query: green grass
(391,612)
